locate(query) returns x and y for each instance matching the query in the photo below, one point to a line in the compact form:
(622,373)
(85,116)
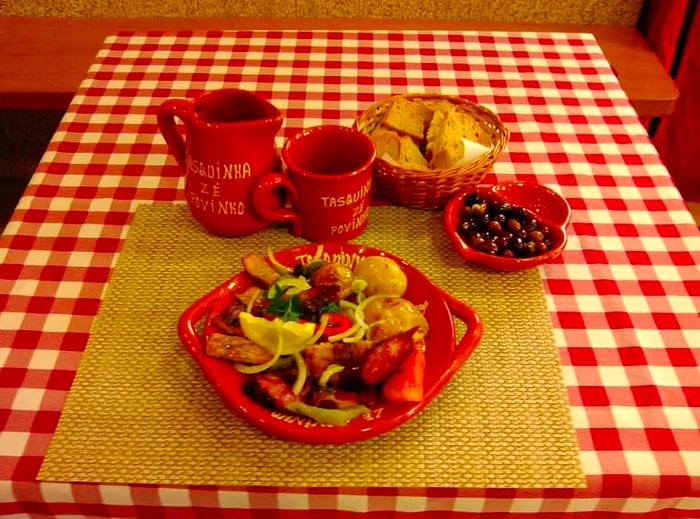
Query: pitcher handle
(264,189)
(167,112)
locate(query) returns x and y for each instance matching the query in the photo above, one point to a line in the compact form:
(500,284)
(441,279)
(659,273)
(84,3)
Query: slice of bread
(387,143)
(446,147)
(441,105)
(411,155)
(434,130)
(448,156)
(409,117)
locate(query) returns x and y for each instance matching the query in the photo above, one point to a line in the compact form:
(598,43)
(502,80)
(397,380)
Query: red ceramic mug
(329,178)
(230,143)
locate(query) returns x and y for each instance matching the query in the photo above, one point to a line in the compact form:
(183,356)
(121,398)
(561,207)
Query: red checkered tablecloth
(624,298)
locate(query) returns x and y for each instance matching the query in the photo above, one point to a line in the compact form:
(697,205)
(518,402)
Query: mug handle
(167,112)
(263,190)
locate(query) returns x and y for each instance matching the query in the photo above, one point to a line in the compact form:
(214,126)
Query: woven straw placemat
(140,411)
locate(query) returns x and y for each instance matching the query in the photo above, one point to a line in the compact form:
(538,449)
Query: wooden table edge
(45,59)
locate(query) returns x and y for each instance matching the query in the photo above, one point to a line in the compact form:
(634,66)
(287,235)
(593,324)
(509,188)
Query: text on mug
(230,207)
(356,223)
(219,171)
(349,199)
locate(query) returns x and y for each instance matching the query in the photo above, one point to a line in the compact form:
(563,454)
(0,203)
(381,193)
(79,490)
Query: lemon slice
(263,332)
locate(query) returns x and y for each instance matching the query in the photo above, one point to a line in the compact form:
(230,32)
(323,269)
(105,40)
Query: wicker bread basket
(431,188)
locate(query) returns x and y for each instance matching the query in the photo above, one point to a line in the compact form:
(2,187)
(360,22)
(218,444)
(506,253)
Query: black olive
(536,236)
(530,224)
(519,212)
(513,225)
(473,198)
(500,218)
(479,209)
(517,243)
(502,240)
(489,246)
(501,228)
(465,226)
(495,226)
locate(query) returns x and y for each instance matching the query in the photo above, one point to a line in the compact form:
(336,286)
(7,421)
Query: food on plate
(381,275)
(237,348)
(334,274)
(428,134)
(502,229)
(260,269)
(408,381)
(322,340)
(391,315)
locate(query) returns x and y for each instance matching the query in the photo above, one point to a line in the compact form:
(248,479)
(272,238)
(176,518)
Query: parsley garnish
(288,308)
(329,307)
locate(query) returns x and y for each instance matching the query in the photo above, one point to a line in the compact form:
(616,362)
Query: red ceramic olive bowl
(548,206)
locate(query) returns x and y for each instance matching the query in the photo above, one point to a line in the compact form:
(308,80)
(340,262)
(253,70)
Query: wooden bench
(43,60)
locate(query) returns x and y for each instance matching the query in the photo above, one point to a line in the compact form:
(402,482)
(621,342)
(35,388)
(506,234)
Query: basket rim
(501,140)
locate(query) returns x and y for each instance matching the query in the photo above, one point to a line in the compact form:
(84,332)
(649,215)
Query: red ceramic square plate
(444,355)
(546,205)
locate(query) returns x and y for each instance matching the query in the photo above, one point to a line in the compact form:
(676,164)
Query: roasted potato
(334,274)
(394,315)
(382,275)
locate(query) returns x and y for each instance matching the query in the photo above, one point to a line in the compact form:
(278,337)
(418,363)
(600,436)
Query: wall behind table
(613,12)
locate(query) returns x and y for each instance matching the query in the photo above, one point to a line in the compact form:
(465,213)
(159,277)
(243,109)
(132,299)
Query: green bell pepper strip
(327,416)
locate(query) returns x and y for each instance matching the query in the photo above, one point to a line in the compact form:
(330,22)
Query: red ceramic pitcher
(229,142)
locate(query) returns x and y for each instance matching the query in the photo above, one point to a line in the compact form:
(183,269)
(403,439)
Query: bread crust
(425,134)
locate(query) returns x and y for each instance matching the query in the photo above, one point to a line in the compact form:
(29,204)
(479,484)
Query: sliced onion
(288,284)
(279,267)
(301,373)
(359,335)
(322,325)
(258,368)
(253,299)
(344,303)
(369,299)
(360,309)
(331,370)
(358,285)
(347,333)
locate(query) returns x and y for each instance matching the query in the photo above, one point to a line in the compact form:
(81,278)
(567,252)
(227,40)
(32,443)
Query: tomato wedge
(405,384)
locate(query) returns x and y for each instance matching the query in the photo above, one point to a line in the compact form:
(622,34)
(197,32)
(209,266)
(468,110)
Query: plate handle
(467,344)
(187,323)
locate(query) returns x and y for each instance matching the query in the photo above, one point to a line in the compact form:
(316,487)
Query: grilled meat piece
(314,299)
(237,349)
(272,391)
(383,358)
(322,354)
(227,320)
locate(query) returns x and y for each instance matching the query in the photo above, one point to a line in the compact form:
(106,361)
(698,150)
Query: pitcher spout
(239,107)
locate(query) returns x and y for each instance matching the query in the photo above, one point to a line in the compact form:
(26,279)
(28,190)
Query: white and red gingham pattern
(624,297)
